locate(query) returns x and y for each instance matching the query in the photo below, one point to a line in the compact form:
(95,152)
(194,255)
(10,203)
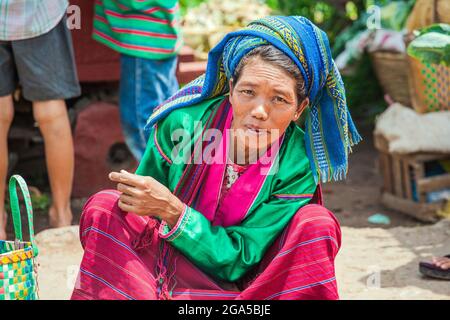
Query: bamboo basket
(429,84)
(391,69)
(18,268)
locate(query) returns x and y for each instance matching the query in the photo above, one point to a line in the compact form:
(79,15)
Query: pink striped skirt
(121,253)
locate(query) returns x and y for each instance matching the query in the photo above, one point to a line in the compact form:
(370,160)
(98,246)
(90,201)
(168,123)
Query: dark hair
(274,56)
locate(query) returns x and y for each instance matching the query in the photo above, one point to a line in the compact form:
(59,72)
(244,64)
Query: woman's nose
(259,111)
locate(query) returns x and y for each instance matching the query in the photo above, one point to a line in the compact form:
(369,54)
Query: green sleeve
(229,252)
(158,160)
(226,252)
(154,163)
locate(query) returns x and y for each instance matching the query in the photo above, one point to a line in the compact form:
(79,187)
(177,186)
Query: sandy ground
(373,263)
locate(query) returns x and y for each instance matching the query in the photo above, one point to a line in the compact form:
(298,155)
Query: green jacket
(228,253)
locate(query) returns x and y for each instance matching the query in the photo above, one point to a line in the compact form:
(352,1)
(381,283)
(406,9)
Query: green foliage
(40,202)
(432,45)
(185,5)
(348,33)
(394,14)
(364,94)
(442,28)
(342,20)
(332,16)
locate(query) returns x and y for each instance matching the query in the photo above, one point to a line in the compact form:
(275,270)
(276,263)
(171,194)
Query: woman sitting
(226,202)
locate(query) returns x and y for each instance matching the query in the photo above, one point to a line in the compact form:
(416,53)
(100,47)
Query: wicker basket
(391,69)
(429,86)
(18,268)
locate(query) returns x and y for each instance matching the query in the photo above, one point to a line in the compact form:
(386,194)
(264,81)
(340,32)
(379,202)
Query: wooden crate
(399,170)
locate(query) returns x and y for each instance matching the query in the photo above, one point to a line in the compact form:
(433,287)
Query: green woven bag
(18,270)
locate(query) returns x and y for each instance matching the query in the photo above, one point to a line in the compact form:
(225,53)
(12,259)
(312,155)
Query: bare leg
(55,128)
(6,118)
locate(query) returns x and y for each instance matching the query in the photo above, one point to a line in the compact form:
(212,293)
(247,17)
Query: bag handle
(15,209)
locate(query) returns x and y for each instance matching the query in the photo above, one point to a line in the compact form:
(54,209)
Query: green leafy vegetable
(432,45)
(394,14)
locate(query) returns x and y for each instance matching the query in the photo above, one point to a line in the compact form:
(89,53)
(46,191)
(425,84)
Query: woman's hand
(145,196)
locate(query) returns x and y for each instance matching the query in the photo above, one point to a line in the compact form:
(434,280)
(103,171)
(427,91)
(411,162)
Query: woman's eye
(247,92)
(280,99)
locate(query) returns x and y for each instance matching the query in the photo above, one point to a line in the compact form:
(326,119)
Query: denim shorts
(44,66)
(144,84)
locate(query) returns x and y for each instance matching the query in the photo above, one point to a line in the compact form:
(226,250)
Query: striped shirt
(24,19)
(142,28)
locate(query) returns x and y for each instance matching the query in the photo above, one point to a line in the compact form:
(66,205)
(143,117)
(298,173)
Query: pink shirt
(232,173)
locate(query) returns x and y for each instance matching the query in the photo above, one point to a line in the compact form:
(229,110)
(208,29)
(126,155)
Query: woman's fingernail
(113,175)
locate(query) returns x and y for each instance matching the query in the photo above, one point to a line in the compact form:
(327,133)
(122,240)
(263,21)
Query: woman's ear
(301,107)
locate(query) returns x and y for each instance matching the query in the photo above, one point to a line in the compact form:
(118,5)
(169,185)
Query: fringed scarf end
(326,175)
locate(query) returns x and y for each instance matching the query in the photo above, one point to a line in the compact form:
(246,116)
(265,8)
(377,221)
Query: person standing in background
(147,35)
(36,52)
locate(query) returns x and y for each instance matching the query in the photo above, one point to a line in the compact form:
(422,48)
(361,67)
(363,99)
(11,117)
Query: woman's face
(264,102)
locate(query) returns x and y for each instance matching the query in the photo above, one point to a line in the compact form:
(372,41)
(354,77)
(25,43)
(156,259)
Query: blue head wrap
(329,129)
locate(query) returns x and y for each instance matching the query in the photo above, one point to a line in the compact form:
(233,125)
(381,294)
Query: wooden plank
(397,173)
(188,71)
(434,183)
(385,168)
(186,54)
(407,179)
(425,157)
(419,173)
(422,211)
(381,143)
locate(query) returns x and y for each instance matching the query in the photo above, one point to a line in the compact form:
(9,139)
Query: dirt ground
(375,261)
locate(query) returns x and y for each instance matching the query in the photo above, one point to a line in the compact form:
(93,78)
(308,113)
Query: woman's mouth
(253,130)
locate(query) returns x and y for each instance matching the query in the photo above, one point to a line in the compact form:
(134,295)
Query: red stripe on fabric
(120,268)
(155,9)
(107,284)
(204,294)
(306,195)
(158,147)
(307,271)
(99,208)
(296,267)
(294,290)
(100,18)
(79,292)
(139,17)
(149,10)
(136,31)
(144,33)
(133,47)
(317,258)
